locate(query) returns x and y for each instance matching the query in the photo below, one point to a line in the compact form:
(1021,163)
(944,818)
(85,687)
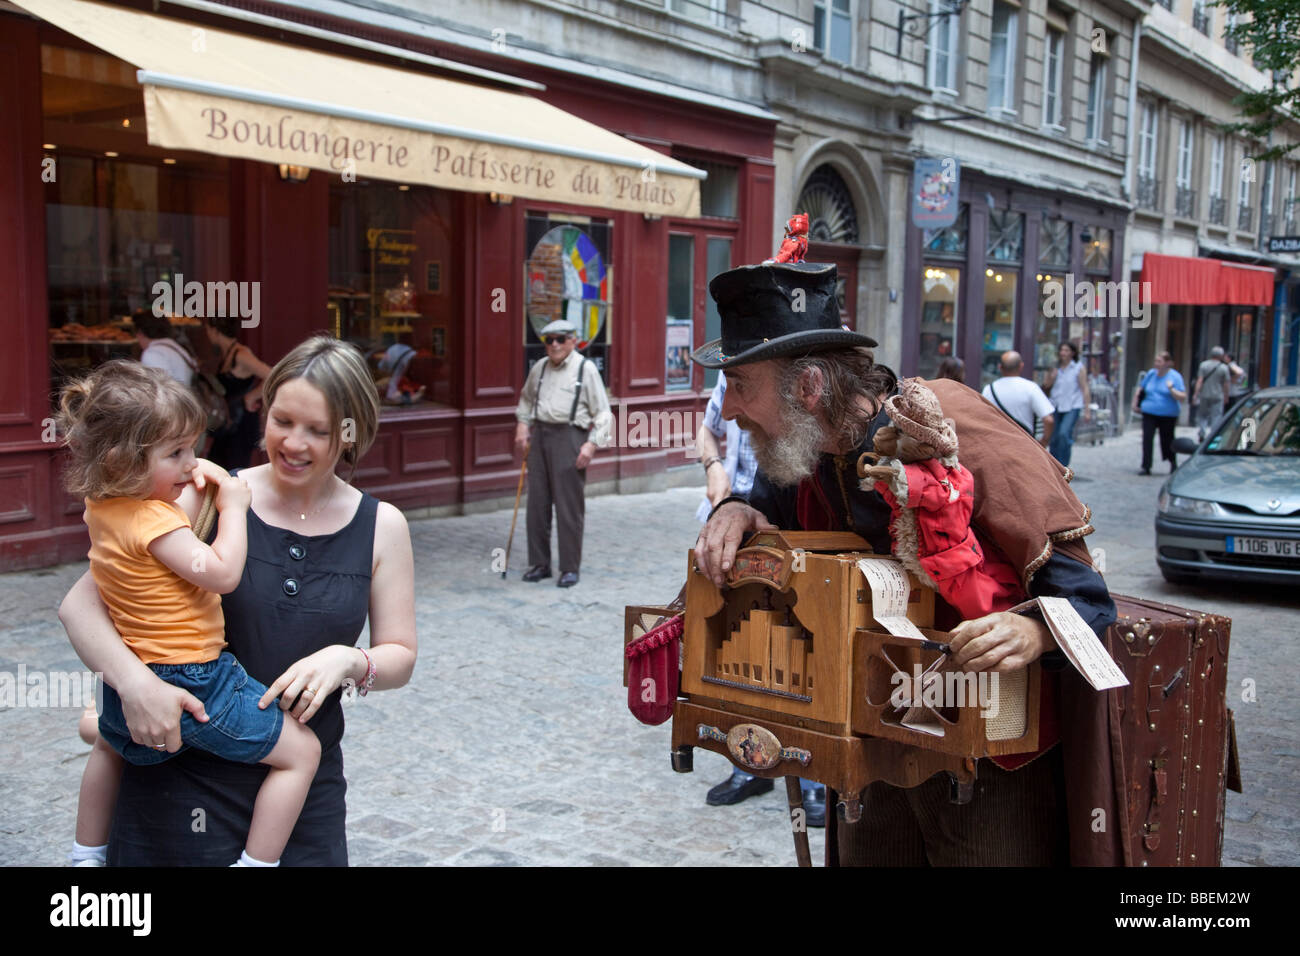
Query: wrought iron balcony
(1167,4)
(1230,44)
(1245,216)
(1265,222)
(1148,192)
(1185,202)
(1218,211)
(1201,19)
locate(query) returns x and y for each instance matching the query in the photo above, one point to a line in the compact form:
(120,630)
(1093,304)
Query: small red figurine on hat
(795,245)
(931,497)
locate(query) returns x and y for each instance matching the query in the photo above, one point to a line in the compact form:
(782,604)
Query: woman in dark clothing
(241,374)
(321,555)
(953,368)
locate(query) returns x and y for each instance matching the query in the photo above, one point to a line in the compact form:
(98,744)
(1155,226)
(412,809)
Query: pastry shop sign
(182,119)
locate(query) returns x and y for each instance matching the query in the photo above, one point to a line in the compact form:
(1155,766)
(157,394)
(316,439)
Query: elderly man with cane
(563,417)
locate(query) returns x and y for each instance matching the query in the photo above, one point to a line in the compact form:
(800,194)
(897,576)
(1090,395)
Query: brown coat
(1011,467)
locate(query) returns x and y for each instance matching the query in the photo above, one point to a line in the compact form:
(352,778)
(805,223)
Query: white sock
(90,855)
(246,860)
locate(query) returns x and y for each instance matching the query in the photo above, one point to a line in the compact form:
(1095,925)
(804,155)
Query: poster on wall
(677,359)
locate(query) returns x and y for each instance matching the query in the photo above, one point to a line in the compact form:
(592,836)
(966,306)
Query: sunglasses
(554,339)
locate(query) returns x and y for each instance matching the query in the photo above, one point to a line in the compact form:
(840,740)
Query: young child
(130,432)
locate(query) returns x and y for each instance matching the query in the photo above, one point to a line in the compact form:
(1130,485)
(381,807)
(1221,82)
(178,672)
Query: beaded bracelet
(368,681)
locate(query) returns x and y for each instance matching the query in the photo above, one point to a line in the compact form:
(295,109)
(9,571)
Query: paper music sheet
(889,593)
(1080,644)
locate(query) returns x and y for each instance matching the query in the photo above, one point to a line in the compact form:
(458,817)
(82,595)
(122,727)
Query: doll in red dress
(795,244)
(931,497)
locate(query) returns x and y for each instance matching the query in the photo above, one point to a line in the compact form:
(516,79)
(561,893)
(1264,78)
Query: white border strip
(168,81)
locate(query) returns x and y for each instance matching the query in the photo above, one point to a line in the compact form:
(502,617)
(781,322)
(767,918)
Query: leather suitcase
(1177,752)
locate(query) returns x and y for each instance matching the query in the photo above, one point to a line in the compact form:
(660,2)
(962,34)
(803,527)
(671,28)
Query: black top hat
(776,309)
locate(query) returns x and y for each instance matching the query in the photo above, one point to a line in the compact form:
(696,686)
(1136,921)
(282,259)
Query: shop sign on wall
(936,185)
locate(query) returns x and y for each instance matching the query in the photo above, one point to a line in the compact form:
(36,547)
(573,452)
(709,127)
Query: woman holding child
(322,556)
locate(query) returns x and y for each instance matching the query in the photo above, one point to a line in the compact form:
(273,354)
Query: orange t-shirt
(162,617)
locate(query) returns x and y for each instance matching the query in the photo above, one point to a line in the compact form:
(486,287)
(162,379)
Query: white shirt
(1066,393)
(171,358)
(1023,399)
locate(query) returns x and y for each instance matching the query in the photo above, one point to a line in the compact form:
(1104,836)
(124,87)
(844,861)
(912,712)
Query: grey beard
(793,457)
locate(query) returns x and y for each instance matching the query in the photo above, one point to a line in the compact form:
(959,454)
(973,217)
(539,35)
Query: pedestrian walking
(952,367)
(1020,398)
(1160,389)
(1210,391)
(1067,386)
(563,416)
(241,374)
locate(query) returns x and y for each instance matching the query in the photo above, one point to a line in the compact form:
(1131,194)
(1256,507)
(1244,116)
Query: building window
(1185,197)
(833,29)
(1002,57)
(1097,111)
(1230,23)
(1290,211)
(1217,211)
(1096,251)
(939,306)
(1245,215)
(1006,241)
(999,319)
(718,192)
(1266,199)
(1200,17)
(832,216)
(1054,244)
(941,47)
(1053,72)
(1148,186)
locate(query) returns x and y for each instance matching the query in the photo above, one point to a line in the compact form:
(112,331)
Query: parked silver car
(1232,510)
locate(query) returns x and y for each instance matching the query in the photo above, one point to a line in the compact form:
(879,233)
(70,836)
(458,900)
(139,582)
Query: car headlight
(1192,507)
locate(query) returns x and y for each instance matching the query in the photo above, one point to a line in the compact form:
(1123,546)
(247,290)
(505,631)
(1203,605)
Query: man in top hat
(564,410)
(810,395)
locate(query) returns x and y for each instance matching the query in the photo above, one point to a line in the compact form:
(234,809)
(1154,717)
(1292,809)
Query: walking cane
(515,517)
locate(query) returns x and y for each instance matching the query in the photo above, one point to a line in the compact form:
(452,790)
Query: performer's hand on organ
(521,438)
(715,549)
(585,454)
(999,642)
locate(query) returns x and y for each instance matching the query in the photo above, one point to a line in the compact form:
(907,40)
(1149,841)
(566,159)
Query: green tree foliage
(1270,31)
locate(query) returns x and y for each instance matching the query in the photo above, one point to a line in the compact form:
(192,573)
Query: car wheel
(1177,577)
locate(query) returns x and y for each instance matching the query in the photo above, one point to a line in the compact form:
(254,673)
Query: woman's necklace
(305,515)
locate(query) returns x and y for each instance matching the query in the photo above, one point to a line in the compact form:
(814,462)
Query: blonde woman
(321,557)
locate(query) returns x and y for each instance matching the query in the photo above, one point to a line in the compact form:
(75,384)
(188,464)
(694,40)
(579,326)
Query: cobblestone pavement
(513,745)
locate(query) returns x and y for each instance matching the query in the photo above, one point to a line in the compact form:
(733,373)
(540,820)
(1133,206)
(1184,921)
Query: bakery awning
(1191,280)
(225,93)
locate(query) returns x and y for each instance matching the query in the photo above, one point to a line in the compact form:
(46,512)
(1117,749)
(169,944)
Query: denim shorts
(237,729)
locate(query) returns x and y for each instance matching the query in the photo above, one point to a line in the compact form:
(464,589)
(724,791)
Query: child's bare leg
(98,798)
(293,763)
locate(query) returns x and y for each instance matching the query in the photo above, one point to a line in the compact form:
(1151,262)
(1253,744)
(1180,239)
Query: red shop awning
(1190,280)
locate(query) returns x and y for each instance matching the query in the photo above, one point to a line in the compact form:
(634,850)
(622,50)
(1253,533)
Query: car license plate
(1264,547)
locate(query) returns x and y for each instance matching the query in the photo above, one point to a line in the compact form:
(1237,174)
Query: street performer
(810,395)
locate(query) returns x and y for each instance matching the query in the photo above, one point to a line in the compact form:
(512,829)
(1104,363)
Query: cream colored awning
(219,92)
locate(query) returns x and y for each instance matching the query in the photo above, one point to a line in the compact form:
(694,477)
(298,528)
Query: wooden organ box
(787,672)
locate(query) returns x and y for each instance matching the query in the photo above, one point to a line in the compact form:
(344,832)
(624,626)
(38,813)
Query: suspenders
(577,390)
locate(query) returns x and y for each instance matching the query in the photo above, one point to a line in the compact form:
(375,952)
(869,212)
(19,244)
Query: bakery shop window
(121,216)
(394,285)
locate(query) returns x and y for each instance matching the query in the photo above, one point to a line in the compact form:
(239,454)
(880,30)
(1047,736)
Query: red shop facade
(82,245)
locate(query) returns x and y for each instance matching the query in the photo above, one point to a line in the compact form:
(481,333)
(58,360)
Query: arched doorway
(833,232)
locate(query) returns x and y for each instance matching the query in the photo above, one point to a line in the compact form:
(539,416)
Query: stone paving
(512,743)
